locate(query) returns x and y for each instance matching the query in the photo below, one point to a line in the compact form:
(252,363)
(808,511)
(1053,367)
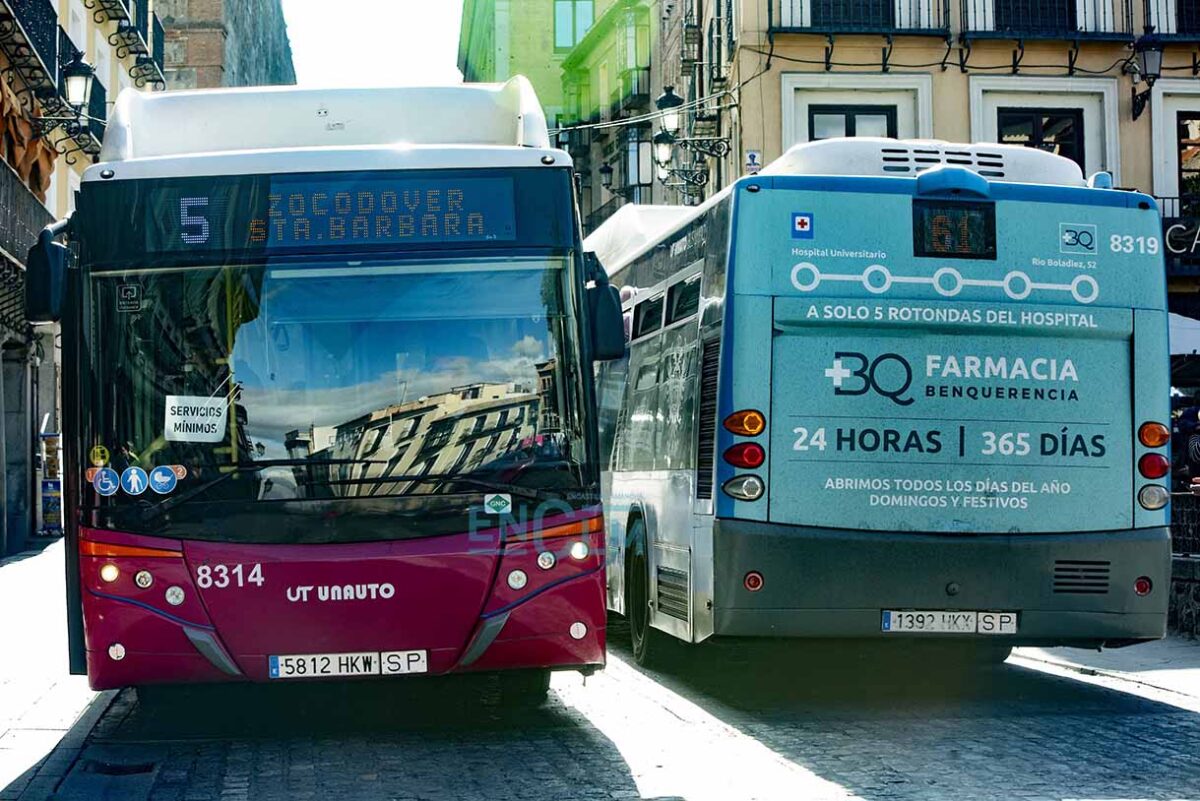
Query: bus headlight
(109,573)
(744,488)
(517,579)
(1153,496)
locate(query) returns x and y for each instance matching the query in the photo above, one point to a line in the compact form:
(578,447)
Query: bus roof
(906,157)
(634,229)
(155,125)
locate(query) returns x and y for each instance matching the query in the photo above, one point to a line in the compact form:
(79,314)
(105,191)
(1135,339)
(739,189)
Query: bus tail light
(746,423)
(753,581)
(1154,435)
(1142,586)
(1153,497)
(575,528)
(1154,465)
(746,454)
(744,488)
(102,549)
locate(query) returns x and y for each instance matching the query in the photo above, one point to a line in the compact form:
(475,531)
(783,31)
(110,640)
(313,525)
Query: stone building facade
(214,43)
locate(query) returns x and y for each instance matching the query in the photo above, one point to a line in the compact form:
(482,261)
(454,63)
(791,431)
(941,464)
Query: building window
(1055,130)
(853,13)
(638,164)
(1035,16)
(572,19)
(1187,126)
(827,122)
(1187,16)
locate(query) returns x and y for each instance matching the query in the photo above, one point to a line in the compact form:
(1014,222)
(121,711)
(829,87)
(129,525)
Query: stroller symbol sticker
(106,481)
(163,479)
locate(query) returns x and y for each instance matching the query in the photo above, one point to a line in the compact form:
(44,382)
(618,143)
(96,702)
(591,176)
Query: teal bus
(891,390)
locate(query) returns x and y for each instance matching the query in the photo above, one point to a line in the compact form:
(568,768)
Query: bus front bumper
(1066,589)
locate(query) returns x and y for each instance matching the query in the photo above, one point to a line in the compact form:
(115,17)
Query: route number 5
(195,229)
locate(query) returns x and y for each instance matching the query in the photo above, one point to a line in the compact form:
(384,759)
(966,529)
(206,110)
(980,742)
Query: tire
(651,647)
(525,688)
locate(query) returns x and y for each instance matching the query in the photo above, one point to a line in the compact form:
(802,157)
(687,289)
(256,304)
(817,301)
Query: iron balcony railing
(24,218)
(635,89)
(29,34)
(918,17)
(98,111)
(142,18)
(1175,19)
(159,43)
(109,9)
(1048,19)
(597,217)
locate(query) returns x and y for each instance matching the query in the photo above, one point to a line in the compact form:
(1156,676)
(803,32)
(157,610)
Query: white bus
(891,390)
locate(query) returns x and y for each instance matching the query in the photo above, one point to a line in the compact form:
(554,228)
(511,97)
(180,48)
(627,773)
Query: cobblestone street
(734,724)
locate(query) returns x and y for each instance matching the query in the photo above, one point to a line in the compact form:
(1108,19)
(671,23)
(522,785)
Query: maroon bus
(328,399)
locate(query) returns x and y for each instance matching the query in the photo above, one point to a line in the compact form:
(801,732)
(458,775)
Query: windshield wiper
(166,505)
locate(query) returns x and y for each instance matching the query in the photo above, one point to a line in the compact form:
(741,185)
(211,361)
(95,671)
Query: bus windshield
(317,400)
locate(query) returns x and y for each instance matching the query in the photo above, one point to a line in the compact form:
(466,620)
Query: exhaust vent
(673,592)
(906,160)
(1081,578)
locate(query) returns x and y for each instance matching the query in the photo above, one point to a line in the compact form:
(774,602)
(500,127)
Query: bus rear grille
(706,430)
(673,592)
(909,160)
(1073,577)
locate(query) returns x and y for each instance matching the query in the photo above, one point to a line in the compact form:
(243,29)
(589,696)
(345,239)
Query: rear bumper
(833,583)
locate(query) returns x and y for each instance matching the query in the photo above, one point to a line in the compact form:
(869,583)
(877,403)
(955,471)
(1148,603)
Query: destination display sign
(289,213)
(954,230)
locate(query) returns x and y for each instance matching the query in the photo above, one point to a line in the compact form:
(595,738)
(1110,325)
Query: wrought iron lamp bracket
(829,42)
(949,50)
(889,43)
(716,147)
(1140,101)
(1018,55)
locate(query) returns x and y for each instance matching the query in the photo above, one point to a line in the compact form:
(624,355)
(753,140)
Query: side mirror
(46,279)
(608,326)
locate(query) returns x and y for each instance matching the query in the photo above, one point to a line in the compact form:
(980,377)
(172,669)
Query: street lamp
(664,148)
(1149,52)
(79,76)
(76,91)
(606,176)
(668,103)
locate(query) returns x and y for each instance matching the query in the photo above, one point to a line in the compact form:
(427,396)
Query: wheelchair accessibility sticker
(106,482)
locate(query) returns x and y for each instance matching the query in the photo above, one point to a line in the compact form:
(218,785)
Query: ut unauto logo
(889,375)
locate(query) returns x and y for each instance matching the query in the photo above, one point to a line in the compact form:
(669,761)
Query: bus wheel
(524,688)
(651,647)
